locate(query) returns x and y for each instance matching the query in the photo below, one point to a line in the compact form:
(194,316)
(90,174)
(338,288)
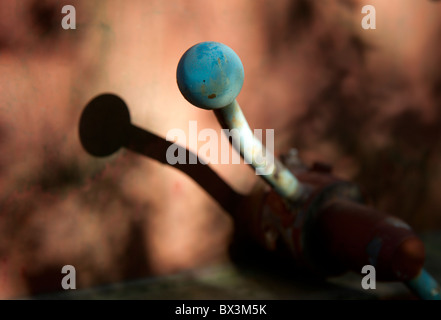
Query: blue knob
(210,75)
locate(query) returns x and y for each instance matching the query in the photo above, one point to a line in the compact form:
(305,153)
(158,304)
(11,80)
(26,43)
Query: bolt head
(210,75)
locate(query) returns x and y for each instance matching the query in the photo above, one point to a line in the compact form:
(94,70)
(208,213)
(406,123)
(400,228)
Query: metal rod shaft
(251,149)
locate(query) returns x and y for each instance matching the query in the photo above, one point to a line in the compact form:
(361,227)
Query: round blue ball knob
(210,75)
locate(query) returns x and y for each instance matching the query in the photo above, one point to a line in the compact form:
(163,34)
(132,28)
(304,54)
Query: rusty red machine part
(333,231)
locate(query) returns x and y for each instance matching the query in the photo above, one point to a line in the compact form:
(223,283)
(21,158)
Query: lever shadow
(105,127)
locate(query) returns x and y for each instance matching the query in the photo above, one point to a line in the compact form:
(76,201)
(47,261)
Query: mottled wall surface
(366,101)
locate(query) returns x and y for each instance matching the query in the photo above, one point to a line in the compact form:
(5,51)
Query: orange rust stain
(237,123)
(212,96)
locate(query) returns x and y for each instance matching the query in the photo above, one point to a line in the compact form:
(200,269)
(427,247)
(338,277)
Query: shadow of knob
(104,125)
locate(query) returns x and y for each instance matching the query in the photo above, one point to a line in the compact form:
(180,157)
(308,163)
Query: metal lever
(333,227)
(210,76)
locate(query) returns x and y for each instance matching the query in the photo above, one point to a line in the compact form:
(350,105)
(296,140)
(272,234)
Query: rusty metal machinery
(318,219)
